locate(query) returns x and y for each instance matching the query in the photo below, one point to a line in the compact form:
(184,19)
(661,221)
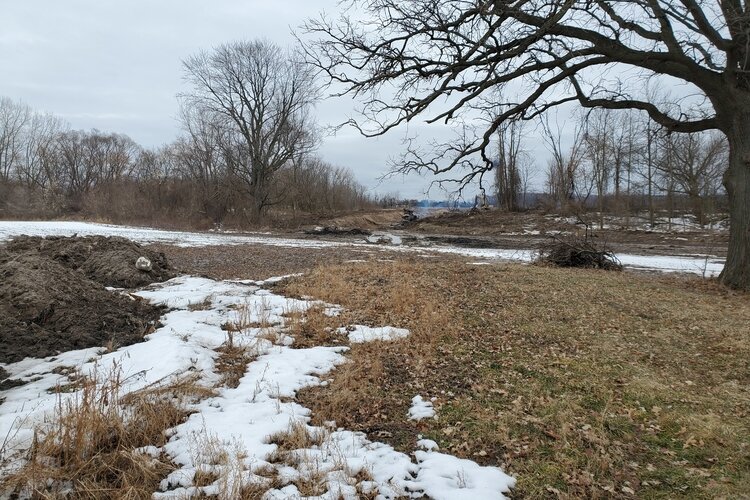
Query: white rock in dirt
(143,264)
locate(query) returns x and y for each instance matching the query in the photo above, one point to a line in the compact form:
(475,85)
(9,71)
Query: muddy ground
(259,262)
(529,230)
(54,295)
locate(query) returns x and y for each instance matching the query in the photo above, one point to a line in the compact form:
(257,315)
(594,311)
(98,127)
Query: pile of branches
(573,251)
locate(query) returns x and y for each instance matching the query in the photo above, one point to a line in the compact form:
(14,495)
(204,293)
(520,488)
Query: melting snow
(360,333)
(384,238)
(420,408)
(239,421)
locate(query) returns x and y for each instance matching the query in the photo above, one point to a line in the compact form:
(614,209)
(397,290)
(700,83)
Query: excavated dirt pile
(53,295)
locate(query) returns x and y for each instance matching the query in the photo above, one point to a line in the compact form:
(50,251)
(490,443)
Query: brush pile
(574,251)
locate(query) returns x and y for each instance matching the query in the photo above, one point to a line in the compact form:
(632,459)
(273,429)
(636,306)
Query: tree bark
(736,273)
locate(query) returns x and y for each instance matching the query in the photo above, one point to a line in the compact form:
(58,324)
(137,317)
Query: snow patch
(420,408)
(361,333)
(446,477)
(231,434)
(378,238)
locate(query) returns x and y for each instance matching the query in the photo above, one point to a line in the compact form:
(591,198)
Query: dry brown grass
(203,305)
(313,327)
(290,445)
(290,451)
(89,449)
(582,383)
(233,358)
(297,437)
(231,363)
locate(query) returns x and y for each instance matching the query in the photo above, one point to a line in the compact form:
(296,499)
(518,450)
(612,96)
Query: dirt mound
(53,296)
(368,220)
(106,260)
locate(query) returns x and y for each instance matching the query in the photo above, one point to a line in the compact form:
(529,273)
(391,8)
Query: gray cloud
(117,66)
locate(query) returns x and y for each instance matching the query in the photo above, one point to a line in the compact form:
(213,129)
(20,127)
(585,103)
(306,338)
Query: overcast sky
(116,66)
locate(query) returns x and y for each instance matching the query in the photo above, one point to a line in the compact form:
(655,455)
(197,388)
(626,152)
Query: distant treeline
(616,162)
(49,170)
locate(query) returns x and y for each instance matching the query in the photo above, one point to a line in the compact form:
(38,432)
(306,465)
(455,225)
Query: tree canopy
(442,58)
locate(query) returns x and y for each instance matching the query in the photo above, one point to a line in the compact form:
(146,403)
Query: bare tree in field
(34,170)
(692,164)
(444,57)
(265,97)
(510,165)
(201,156)
(564,168)
(84,160)
(599,148)
(628,142)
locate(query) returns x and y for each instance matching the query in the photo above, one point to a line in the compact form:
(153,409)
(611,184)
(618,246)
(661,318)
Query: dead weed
(92,446)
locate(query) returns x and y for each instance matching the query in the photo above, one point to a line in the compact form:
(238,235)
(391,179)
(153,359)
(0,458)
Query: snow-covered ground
(679,224)
(239,421)
(706,265)
(9,229)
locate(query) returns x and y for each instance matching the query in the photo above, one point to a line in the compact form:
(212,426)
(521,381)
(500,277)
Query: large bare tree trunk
(736,271)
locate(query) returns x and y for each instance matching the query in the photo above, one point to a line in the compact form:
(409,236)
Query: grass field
(581,383)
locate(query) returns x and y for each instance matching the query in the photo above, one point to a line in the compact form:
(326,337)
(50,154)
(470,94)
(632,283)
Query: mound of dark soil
(106,260)
(53,296)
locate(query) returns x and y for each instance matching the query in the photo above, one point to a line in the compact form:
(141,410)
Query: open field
(375,249)
(577,383)
(652,255)
(580,383)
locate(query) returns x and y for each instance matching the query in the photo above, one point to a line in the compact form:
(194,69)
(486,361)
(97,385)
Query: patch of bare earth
(53,297)
(260,262)
(526,230)
(583,383)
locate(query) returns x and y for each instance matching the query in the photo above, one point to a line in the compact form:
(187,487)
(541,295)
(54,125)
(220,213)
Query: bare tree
(628,146)
(599,149)
(649,153)
(511,164)
(422,51)
(89,159)
(13,120)
(34,171)
(201,156)
(264,98)
(564,176)
(692,164)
